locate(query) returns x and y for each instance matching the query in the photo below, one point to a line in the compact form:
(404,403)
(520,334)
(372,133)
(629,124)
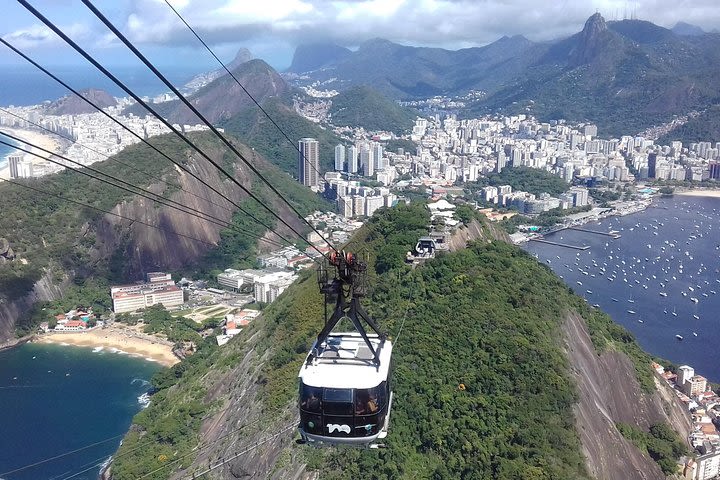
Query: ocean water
(25,85)
(673,247)
(57,399)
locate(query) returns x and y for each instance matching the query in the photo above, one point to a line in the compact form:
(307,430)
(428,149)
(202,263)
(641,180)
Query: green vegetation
(661,443)
(51,235)
(666,191)
(90,294)
(254,129)
(361,106)
(531,180)
(703,128)
(487,318)
(407,145)
(603,196)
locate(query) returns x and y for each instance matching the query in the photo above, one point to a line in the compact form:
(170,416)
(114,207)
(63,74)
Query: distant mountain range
(624,75)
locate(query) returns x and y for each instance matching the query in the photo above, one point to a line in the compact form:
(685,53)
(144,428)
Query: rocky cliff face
(72,105)
(43,290)
(610,394)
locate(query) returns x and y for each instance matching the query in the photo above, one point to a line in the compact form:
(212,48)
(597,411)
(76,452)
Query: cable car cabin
(424,249)
(345,397)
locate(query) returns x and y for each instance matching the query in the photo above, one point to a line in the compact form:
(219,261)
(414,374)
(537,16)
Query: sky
(271,29)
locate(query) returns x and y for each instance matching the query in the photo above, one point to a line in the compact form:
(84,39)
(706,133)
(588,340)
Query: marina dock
(613,233)
(566,245)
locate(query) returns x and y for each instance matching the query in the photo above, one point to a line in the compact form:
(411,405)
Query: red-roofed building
(71,326)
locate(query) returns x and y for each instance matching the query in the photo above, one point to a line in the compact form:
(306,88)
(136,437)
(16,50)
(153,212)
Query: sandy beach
(121,338)
(47,142)
(700,193)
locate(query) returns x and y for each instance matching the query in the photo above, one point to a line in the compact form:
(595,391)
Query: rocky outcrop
(610,394)
(476,230)
(43,290)
(6,251)
(72,105)
(223,98)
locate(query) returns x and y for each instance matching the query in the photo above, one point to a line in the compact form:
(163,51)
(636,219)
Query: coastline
(44,141)
(700,193)
(121,339)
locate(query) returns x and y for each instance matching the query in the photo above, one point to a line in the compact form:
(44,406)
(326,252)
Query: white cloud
(38,35)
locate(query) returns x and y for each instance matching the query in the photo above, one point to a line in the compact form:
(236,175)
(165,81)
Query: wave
(141,381)
(98,349)
(144,400)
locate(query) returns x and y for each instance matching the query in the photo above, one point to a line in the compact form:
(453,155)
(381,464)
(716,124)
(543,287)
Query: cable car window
(338,401)
(310,398)
(369,401)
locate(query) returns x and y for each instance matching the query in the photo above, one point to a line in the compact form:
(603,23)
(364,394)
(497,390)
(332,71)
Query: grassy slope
(254,129)
(487,317)
(362,106)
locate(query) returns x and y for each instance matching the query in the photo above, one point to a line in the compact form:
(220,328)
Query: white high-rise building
(352,159)
(366,161)
(14,165)
(339,158)
(377,151)
(309,162)
(684,374)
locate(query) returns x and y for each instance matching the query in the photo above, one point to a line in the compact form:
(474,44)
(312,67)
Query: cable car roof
(345,361)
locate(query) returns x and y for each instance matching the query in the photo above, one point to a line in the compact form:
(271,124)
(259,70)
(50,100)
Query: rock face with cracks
(610,394)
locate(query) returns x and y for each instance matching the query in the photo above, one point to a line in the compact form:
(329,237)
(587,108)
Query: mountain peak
(594,25)
(687,30)
(243,55)
(591,41)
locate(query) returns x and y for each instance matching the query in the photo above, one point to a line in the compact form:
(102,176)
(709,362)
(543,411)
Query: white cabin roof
(345,361)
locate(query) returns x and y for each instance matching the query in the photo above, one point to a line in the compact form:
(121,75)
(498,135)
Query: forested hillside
(60,240)
(482,384)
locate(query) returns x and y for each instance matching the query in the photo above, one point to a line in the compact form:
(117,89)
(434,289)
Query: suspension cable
(65,199)
(99,109)
(161,200)
(189,104)
(114,158)
(207,47)
(120,84)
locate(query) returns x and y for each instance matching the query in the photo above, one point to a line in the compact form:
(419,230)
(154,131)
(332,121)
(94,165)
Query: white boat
(679,337)
(631,312)
(696,317)
(663,294)
(588,291)
(693,299)
(579,282)
(695,334)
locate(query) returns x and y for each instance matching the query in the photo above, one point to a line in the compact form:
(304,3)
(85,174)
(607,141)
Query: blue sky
(271,29)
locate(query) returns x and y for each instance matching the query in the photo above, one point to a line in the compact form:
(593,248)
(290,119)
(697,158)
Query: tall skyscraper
(652,164)
(339,158)
(366,161)
(377,150)
(352,159)
(14,164)
(501,161)
(309,162)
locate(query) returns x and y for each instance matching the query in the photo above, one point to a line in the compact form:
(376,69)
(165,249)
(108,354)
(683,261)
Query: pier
(613,233)
(566,245)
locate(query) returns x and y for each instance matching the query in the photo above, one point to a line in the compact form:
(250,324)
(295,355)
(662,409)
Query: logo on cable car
(334,427)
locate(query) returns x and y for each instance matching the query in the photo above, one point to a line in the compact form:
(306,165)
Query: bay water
(58,399)
(660,279)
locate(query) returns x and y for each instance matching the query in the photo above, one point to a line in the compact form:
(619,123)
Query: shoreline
(40,139)
(709,193)
(118,340)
